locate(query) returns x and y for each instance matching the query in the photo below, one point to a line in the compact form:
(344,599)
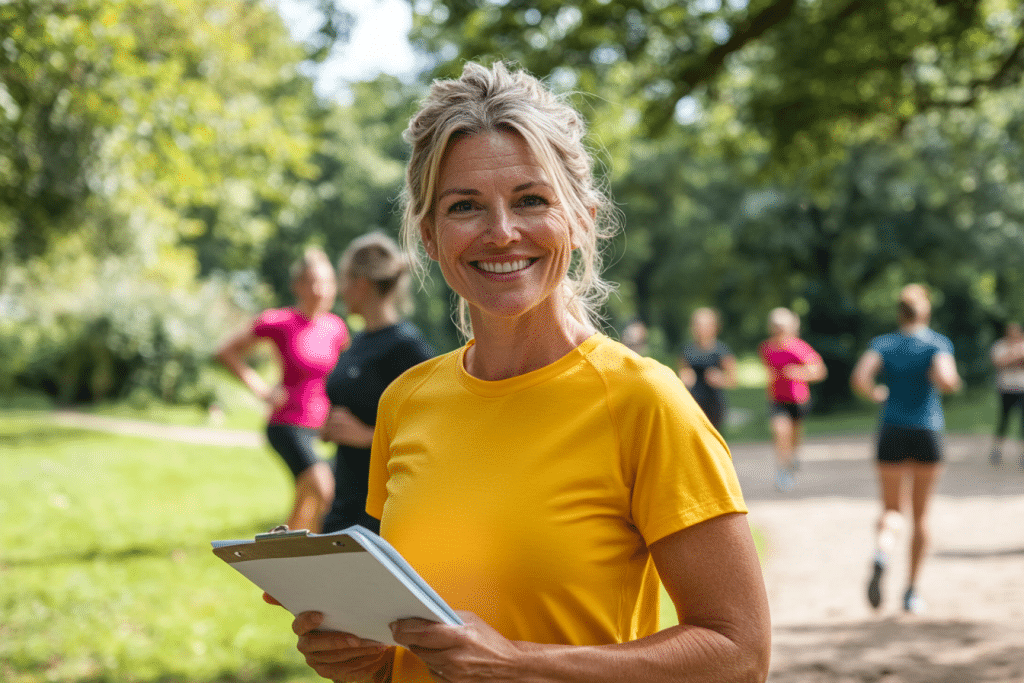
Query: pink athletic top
(793,350)
(308,350)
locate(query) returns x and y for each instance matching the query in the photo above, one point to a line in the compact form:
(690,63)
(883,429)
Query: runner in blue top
(916,364)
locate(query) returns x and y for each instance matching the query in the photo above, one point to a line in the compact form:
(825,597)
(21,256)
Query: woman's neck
(913,326)
(310,309)
(706,342)
(380,315)
(504,349)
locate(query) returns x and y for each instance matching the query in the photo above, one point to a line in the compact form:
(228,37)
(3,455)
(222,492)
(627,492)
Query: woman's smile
(503,267)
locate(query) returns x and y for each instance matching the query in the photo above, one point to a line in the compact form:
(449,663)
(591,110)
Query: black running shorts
(897,443)
(294,444)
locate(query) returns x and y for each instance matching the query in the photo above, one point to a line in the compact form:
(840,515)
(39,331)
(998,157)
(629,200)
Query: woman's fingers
(424,634)
(306,622)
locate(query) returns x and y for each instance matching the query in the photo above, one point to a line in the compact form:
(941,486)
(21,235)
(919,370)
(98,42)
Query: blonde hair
(706,311)
(496,99)
(784,319)
(312,257)
(380,260)
(915,303)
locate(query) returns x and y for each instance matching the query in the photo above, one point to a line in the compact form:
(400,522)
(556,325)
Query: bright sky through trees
(378,43)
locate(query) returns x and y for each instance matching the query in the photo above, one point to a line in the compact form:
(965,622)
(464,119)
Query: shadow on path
(898,650)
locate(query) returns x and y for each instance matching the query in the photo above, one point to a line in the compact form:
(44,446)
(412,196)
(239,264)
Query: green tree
(143,142)
(810,76)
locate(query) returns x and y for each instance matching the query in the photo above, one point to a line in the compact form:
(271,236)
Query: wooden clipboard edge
(294,546)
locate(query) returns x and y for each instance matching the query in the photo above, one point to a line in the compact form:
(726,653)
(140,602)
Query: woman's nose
(503,227)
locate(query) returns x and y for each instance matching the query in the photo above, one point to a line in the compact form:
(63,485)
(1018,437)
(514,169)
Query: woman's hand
(339,656)
(794,372)
(459,654)
(341,426)
(715,378)
(275,397)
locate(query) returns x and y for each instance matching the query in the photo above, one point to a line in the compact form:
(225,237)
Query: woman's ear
(427,237)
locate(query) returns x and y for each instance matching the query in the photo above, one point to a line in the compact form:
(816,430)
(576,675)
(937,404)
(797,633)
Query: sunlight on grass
(108,574)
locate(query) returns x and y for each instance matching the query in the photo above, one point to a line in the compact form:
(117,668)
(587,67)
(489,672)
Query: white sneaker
(914,603)
(784,481)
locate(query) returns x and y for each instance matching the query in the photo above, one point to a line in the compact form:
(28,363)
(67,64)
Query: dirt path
(209,436)
(819,539)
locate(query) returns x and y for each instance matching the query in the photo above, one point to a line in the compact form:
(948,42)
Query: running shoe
(784,481)
(875,584)
(914,603)
(995,457)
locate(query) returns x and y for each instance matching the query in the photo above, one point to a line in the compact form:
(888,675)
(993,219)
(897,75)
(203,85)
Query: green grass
(105,568)
(239,408)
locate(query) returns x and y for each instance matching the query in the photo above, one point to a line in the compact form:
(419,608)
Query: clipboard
(354,577)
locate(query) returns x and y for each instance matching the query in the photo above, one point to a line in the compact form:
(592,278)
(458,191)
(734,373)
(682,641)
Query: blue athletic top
(906,359)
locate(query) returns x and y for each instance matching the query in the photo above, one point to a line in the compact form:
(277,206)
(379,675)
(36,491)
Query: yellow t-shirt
(531,501)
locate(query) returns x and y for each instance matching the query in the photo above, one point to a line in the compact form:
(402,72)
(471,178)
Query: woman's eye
(464,205)
(533,200)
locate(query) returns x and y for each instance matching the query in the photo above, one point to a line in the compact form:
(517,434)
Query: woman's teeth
(506,267)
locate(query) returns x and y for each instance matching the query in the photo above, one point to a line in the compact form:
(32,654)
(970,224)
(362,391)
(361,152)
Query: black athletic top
(359,378)
(700,360)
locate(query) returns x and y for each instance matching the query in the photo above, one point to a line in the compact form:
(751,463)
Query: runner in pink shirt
(308,339)
(792,365)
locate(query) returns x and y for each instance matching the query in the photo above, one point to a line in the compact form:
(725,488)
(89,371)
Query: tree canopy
(161,160)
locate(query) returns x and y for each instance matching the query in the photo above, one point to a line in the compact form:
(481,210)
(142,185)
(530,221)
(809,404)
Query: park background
(162,162)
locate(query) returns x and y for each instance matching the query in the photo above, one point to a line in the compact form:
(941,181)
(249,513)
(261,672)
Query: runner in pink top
(308,350)
(793,351)
(308,339)
(792,365)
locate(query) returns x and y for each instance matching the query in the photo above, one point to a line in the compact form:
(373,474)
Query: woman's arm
(342,426)
(862,379)
(943,374)
(685,372)
(724,378)
(810,370)
(232,355)
(1006,355)
(711,572)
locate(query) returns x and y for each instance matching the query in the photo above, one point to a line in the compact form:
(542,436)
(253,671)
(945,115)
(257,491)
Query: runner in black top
(374,276)
(363,371)
(707,366)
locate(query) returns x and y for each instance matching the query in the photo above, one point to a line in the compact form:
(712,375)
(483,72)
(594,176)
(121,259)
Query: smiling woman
(543,477)
(500,235)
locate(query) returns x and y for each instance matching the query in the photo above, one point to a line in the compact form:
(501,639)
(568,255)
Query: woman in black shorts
(917,363)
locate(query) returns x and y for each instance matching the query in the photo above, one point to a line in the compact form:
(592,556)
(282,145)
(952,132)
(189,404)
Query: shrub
(125,337)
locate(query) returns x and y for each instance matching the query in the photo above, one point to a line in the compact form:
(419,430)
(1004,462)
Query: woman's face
(705,326)
(350,293)
(317,286)
(499,231)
